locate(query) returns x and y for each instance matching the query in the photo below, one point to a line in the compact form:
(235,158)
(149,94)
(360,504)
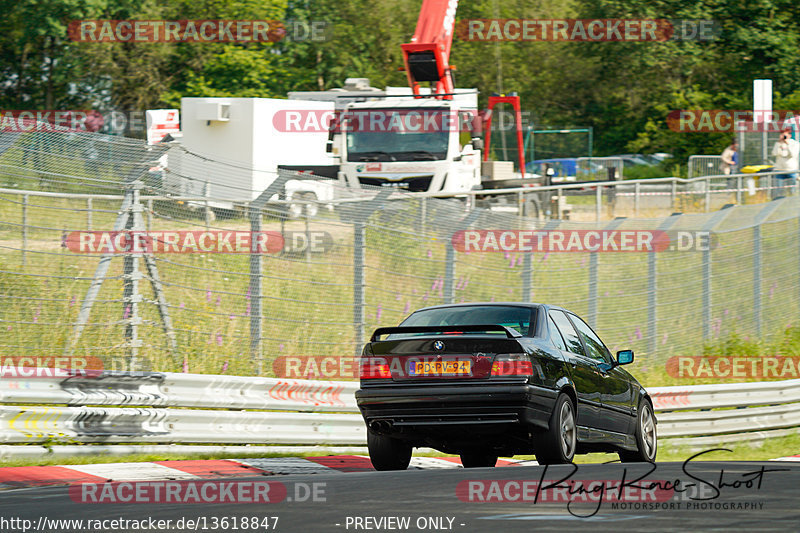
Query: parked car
(484,380)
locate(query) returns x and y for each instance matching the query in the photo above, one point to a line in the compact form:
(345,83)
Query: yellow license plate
(440,368)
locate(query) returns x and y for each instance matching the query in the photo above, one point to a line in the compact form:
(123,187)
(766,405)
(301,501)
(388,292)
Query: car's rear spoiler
(444,330)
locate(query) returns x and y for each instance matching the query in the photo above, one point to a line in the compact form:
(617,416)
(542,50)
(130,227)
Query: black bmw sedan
(484,380)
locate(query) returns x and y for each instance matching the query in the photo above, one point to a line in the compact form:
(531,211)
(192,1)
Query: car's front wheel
(387,453)
(559,442)
(646,437)
(478,459)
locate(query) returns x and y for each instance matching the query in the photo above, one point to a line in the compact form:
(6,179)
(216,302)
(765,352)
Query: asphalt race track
(736,496)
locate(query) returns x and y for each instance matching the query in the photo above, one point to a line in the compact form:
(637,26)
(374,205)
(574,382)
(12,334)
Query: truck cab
(412,144)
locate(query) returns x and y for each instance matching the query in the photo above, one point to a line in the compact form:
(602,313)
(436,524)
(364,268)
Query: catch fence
(345,266)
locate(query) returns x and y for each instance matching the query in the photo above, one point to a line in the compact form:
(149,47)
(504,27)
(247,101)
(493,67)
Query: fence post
(636,199)
(88,214)
(707,199)
(24,227)
(207,194)
(450,257)
(674,193)
(131,276)
(149,214)
(527,266)
(593,277)
(423,214)
(358,214)
(760,218)
(359,282)
(739,190)
(257,266)
(598,200)
(256,272)
(652,287)
(716,218)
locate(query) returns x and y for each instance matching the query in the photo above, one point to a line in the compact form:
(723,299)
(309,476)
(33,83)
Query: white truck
(391,139)
(230,149)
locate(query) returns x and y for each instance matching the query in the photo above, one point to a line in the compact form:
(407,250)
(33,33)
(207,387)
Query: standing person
(728,165)
(787,157)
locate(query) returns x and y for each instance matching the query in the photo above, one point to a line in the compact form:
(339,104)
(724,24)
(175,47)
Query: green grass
(144,458)
(668,452)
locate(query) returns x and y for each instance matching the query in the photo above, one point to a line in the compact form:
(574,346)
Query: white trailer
(231,148)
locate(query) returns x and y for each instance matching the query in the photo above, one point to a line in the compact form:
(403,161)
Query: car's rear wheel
(559,442)
(478,459)
(646,437)
(387,453)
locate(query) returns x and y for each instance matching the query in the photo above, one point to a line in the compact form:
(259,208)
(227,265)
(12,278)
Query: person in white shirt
(787,157)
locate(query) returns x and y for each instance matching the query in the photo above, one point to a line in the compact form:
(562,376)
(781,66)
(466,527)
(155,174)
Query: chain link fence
(704,165)
(343,267)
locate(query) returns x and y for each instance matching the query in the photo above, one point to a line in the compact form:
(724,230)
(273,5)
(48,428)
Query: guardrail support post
(636,199)
(707,199)
(594,291)
(88,214)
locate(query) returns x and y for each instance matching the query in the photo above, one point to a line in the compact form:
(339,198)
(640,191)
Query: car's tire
(646,437)
(478,459)
(387,453)
(559,442)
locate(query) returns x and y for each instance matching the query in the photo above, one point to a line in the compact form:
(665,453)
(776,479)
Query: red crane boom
(427,56)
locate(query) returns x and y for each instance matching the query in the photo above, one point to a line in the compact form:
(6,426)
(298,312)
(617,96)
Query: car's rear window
(517,318)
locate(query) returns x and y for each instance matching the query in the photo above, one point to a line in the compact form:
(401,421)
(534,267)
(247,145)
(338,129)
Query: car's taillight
(512,364)
(374,368)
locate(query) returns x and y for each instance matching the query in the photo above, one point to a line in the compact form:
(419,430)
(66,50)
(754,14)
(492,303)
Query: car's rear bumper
(453,411)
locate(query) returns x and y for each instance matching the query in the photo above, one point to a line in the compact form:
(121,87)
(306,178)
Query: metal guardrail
(210,409)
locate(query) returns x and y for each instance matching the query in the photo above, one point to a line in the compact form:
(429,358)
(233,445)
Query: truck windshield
(398,135)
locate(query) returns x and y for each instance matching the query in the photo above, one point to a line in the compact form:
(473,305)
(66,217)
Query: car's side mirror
(624,357)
